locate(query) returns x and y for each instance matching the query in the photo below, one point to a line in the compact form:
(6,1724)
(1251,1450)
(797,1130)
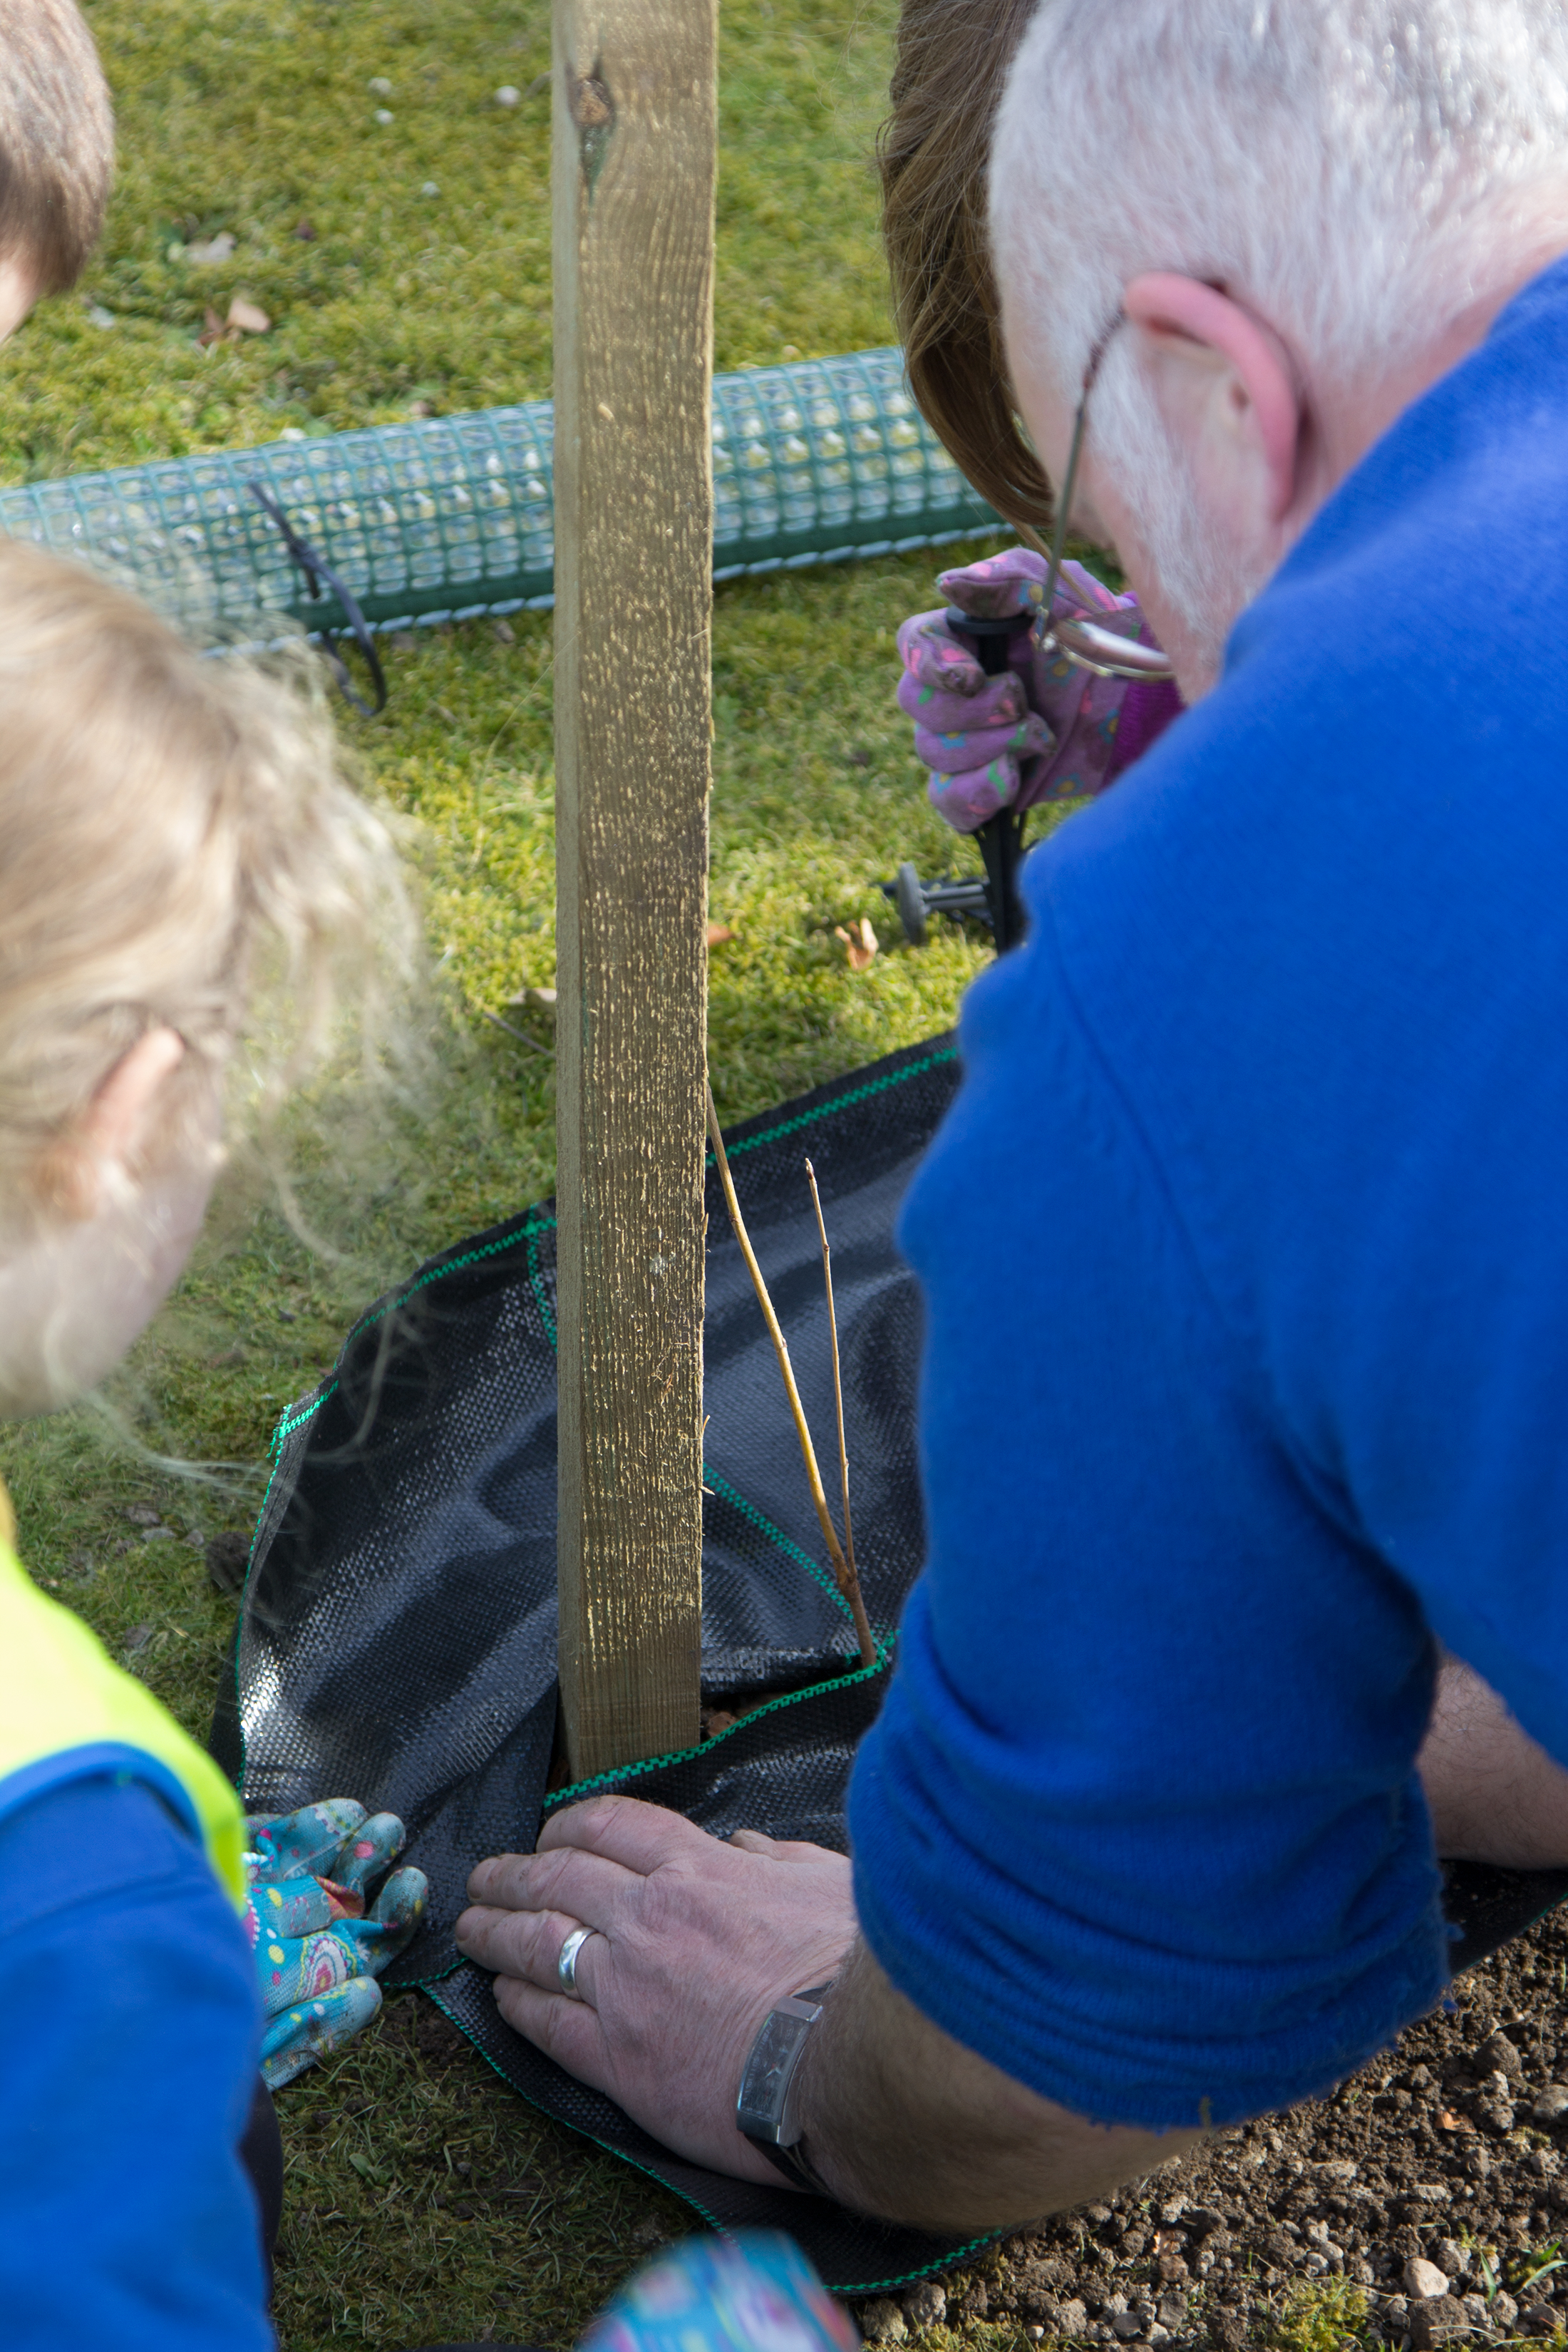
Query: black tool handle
(1001,836)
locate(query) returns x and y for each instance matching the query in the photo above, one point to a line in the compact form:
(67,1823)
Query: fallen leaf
(503,633)
(248,318)
(213,333)
(1448,2121)
(860,943)
(215,249)
(716,934)
(304,232)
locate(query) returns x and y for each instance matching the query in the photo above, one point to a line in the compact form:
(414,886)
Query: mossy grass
(405,262)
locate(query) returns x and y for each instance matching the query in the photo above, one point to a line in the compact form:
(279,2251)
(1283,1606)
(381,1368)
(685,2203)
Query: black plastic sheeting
(397,1637)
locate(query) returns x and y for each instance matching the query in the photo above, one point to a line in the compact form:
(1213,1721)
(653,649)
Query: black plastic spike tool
(1000,837)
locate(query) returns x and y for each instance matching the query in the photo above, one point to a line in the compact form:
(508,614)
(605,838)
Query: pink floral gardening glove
(1040,729)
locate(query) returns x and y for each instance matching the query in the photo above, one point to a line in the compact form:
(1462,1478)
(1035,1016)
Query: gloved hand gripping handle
(1001,836)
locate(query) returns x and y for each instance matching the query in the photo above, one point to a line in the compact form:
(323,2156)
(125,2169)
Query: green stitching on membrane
(791,1550)
(538,1224)
(451,1266)
(834,2286)
(537,1281)
(561,1797)
(842,1102)
(534,1224)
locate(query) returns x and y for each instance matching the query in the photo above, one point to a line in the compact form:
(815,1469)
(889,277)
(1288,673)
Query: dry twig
(838,1376)
(848,1581)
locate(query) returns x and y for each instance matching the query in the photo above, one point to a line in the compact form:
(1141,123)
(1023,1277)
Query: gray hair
(1343,166)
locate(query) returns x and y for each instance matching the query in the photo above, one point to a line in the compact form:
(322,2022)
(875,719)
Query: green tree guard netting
(397,1634)
(813,463)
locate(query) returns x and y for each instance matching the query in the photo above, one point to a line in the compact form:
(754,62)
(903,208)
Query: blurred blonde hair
(175,842)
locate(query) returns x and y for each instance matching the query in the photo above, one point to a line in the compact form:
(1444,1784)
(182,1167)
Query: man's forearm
(1494,1795)
(904,2122)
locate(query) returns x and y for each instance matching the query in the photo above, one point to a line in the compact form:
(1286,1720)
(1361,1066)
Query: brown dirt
(1299,2228)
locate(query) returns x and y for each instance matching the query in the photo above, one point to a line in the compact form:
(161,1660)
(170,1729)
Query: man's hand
(694,1942)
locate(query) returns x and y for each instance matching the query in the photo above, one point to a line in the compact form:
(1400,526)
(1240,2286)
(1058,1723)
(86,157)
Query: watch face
(760,2109)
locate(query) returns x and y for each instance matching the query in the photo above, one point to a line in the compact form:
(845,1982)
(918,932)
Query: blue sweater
(1245,1255)
(131,2025)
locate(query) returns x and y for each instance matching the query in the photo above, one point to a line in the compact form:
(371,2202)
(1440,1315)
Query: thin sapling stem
(837,1393)
(848,1583)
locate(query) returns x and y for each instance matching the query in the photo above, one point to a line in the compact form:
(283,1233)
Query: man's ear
(110,1137)
(1242,360)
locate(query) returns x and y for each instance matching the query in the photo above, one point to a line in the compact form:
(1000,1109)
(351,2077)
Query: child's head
(57,152)
(951,63)
(172,829)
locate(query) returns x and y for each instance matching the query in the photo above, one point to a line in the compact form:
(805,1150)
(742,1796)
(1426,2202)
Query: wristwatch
(765,2111)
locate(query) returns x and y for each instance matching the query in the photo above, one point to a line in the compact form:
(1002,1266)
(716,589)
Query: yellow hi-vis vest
(69,1713)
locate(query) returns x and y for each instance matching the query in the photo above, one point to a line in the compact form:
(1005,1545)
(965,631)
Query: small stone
(378,86)
(1551,2105)
(1543,2162)
(1396,2313)
(384,114)
(1069,2318)
(1475,2309)
(881,2322)
(1497,2054)
(507,95)
(1128,2326)
(209,254)
(1452,2257)
(1423,2279)
(1539,2319)
(139,1637)
(99,317)
(430,188)
(1503,2309)
(1228,2330)
(1034,2334)
(1437,2321)
(925,2303)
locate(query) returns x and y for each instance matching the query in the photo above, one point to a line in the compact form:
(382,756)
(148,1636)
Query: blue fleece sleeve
(131,2028)
(1139,1821)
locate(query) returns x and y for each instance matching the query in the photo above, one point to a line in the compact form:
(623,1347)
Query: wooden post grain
(634,146)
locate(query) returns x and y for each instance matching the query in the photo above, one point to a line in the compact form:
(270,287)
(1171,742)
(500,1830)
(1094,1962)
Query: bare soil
(1449,2150)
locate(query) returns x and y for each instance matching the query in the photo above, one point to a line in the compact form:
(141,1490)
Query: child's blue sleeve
(130,2025)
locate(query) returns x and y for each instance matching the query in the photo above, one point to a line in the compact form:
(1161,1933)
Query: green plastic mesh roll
(813,463)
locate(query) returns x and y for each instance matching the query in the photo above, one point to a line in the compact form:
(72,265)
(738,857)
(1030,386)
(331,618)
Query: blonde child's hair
(173,831)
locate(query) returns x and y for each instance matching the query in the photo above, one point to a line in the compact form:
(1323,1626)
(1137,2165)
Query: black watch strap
(791,2162)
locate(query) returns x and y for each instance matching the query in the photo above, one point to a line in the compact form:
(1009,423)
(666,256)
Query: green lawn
(257,122)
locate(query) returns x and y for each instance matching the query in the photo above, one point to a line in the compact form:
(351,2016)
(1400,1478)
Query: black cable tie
(317,570)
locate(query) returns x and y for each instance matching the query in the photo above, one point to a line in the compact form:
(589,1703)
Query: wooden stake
(636,137)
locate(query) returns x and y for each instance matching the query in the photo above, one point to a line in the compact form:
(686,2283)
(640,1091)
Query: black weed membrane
(397,1639)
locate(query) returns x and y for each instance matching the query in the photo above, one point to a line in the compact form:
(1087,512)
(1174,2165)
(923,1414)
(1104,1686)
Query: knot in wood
(589,100)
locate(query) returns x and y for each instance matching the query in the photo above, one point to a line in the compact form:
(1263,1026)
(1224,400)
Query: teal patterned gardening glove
(318,1949)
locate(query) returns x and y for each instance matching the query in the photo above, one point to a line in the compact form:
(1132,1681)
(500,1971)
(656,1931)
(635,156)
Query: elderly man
(1245,1247)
